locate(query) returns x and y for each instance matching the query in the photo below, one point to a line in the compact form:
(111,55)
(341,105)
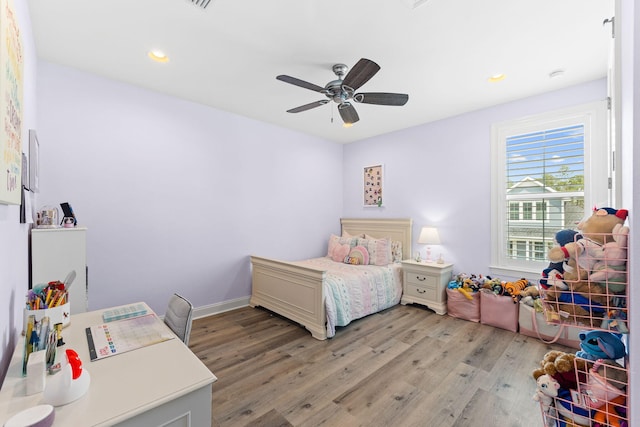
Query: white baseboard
(221,307)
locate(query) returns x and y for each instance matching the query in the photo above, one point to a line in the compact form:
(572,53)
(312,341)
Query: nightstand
(426,283)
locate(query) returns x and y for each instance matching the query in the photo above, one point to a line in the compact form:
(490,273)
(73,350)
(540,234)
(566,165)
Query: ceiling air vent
(202,3)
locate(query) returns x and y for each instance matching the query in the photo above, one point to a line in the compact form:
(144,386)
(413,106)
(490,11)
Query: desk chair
(179,316)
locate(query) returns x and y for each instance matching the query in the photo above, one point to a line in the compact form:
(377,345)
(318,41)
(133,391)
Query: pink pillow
(340,252)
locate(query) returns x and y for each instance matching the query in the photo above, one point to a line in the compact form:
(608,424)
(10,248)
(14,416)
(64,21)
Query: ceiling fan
(342,90)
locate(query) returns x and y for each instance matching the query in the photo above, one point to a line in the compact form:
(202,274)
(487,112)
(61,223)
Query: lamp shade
(429,236)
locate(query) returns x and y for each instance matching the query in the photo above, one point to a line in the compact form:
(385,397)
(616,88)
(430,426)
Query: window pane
(514,211)
(527,211)
(545,171)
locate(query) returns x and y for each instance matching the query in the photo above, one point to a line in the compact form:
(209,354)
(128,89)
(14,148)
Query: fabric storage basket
(534,325)
(458,305)
(498,310)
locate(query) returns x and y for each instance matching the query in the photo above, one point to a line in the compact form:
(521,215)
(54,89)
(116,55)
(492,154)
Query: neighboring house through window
(548,171)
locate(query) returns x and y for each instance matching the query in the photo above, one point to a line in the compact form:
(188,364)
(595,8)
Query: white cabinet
(54,253)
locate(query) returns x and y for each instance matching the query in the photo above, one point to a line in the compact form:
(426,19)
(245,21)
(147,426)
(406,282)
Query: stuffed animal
(600,345)
(610,266)
(605,390)
(596,231)
(554,274)
(531,297)
(615,320)
(513,289)
(547,389)
(611,413)
(562,367)
(581,304)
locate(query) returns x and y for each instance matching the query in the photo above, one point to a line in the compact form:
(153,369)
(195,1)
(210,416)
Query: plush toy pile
(585,282)
(587,388)
(468,284)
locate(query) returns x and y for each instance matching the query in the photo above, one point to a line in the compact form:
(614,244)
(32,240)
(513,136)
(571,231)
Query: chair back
(179,317)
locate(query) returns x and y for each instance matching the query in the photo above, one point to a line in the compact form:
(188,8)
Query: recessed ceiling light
(497,77)
(158,56)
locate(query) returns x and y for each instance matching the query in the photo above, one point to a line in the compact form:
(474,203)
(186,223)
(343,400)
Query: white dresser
(54,253)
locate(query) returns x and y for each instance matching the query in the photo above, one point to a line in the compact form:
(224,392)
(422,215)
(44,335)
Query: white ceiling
(227,55)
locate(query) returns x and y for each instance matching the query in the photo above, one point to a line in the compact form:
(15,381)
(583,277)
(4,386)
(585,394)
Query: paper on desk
(120,336)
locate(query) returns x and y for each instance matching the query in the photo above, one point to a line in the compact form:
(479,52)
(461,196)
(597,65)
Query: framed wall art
(34,161)
(11,80)
(372,186)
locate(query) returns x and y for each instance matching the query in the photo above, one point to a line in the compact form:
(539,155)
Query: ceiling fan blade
(301,83)
(348,113)
(308,106)
(381,98)
(360,73)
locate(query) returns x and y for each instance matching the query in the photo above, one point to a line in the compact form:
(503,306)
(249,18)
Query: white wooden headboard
(394,229)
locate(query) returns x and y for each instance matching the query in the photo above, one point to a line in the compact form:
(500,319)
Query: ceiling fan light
(497,77)
(347,125)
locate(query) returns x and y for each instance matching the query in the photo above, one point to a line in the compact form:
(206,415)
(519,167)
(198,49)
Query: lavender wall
(176,195)
(13,235)
(440,174)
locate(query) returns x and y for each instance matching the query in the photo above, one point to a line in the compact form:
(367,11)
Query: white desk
(163,384)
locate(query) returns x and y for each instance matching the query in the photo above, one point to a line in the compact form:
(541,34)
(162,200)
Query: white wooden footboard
(292,291)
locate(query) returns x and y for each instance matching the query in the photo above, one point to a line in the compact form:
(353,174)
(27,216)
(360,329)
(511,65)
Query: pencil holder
(59,314)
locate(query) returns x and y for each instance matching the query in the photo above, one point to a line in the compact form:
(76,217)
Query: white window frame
(597,171)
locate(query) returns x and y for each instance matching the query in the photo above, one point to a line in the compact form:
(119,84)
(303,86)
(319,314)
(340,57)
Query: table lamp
(429,236)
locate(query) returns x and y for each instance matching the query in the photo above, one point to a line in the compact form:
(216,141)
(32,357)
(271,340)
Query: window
(548,171)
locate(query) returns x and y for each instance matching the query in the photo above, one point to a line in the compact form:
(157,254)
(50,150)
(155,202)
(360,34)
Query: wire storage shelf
(591,291)
(599,400)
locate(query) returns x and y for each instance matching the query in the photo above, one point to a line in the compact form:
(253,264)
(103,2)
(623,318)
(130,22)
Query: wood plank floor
(405,366)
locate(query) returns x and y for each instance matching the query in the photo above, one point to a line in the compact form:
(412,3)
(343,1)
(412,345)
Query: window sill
(509,273)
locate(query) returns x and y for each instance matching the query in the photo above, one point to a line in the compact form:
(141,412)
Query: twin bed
(321,294)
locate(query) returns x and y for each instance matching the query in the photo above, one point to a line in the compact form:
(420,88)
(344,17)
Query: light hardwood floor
(405,366)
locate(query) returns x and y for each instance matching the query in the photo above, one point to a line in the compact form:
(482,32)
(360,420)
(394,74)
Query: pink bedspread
(355,291)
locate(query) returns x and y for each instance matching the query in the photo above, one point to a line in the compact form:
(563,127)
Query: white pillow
(379,250)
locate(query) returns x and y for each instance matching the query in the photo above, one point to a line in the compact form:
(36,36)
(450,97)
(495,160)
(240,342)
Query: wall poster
(11,81)
(372,186)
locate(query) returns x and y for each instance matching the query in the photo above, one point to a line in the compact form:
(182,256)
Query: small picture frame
(25,172)
(372,181)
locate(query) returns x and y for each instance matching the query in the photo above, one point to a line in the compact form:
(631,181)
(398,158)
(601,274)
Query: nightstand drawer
(421,280)
(426,292)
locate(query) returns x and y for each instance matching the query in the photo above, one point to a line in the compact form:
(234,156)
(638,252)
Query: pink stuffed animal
(611,263)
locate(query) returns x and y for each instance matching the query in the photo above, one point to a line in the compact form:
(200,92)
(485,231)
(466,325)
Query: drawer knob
(421,278)
(420,291)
